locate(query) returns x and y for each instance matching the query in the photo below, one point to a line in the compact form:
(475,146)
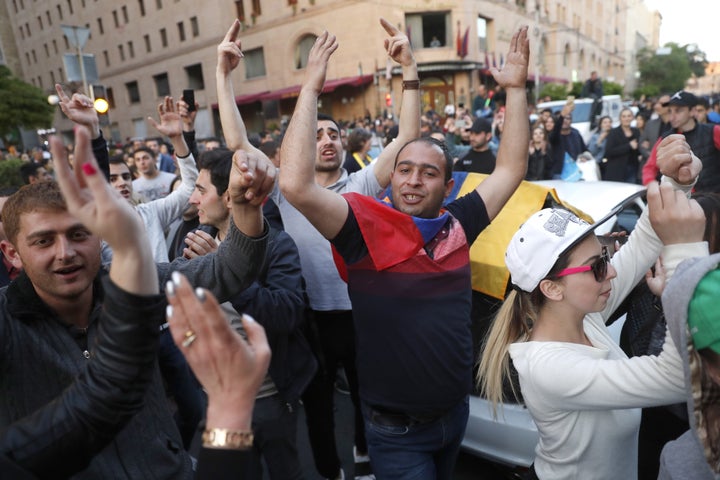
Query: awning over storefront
(330,86)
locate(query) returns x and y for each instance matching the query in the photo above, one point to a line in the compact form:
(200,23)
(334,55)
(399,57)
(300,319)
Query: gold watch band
(227,439)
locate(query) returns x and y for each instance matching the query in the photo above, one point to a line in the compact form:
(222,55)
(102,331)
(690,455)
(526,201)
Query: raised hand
(674,217)
(187,116)
(79,109)
(171,124)
(229,368)
(199,243)
(316,69)
(91,198)
(251,178)
(398,45)
(230,51)
(675,159)
(514,73)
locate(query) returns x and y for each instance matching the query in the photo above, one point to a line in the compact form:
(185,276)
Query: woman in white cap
(581,389)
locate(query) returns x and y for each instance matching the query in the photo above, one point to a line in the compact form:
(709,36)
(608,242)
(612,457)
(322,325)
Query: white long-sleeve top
(159,214)
(585,400)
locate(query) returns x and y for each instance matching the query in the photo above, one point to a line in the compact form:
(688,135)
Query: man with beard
(330,306)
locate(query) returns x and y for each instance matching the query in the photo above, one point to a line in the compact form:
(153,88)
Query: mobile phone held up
(188,97)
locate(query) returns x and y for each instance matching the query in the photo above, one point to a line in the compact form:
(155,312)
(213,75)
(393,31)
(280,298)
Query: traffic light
(388,100)
(101,104)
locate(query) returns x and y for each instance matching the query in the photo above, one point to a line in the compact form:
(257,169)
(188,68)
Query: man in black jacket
(51,314)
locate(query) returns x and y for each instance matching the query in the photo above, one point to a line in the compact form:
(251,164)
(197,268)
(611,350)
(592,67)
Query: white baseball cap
(539,242)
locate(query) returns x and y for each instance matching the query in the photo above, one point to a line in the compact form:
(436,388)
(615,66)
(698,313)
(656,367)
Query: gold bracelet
(227,439)
(411,85)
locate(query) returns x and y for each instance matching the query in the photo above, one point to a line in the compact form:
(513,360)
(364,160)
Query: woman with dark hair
(539,157)
(622,151)
(356,157)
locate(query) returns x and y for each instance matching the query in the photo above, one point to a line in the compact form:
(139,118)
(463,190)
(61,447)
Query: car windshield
(581,112)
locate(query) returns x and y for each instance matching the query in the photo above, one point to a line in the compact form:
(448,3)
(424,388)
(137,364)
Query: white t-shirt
(152,189)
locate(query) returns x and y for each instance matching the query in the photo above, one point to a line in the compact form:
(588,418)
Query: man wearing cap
(690,304)
(704,141)
(479,158)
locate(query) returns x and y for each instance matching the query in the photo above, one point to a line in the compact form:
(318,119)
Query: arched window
(302,50)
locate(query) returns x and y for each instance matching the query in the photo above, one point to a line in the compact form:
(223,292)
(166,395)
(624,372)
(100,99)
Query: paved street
(468,466)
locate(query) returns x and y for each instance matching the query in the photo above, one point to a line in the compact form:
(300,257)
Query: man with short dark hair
(408,271)
(33,172)
(152,183)
(163,162)
(478,158)
(49,314)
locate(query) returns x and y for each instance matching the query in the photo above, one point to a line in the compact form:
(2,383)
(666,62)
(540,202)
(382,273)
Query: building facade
(146,49)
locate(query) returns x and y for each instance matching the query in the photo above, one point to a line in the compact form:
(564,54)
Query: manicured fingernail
(175,278)
(248,318)
(168,311)
(200,294)
(170,289)
(88,169)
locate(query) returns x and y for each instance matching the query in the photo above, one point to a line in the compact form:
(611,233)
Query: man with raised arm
(408,270)
(327,293)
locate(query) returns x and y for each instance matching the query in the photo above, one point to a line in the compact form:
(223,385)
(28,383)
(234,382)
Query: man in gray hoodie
(690,303)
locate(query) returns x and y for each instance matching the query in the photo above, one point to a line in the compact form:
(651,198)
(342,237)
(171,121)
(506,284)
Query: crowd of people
(167,308)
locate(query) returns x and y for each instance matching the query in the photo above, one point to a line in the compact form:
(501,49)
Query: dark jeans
(275,428)
(334,343)
(426,450)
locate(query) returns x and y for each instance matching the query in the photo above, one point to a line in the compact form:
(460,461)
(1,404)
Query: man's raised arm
(399,49)
(229,53)
(325,209)
(511,163)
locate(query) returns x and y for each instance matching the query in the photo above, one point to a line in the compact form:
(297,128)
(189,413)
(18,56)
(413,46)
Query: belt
(397,419)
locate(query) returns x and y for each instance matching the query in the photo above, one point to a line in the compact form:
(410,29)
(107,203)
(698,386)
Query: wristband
(227,439)
(410,85)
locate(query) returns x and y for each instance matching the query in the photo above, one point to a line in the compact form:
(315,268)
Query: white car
(510,439)
(581,117)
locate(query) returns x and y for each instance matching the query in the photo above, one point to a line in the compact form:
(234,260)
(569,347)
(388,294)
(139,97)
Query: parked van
(612,105)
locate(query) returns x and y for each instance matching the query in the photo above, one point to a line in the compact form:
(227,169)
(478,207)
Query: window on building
(40,22)
(121,51)
(49,18)
(520,3)
(254,63)
(52,78)
(34,55)
(158,4)
(566,55)
(67,43)
(141,4)
(70,7)
(106,56)
(131,49)
(87,25)
(55,49)
(40,82)
(61,72)
(126,19)
(194,75)
(110,97)
(15,7)
(116,20)
(162,84)
(181,31)
(163,37)
(148,47)
(47,50)
(483,25)
(22,5)
(27,57)
(101,29)
(194,26)
(240,10)
(27,30)
(133,91)
(423,27)
(256,8)
(302,50)
(82,3)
